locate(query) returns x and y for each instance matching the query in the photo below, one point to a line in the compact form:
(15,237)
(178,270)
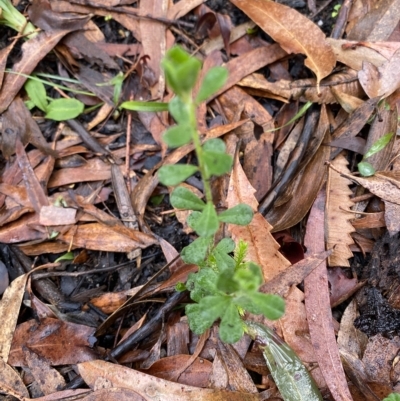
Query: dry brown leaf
(318,308)
(381,81)
(147,386)
(337,218)
(11,382)
(10,305)
(293,31)
(32,52)
(262,247)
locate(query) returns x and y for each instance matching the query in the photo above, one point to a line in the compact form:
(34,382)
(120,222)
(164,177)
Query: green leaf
(271,306)
(366,169)
(249,277)
(246,303)
(197,322)
(392,397)
(174,174)
(178,135)
(241,214)
(205,224)
(37,93)
(192,219)
(202,284)
(221,254)
(182,198)
(214,306)
(379,145)
(179,110)
(231,328)
(226,283)
(214,80)
(196,252)
(181,70)
(66,256)
(64,109)
(144,106)
(216,145)
(217,163)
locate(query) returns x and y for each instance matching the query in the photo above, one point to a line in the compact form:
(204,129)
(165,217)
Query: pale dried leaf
(337,218)
(262,247)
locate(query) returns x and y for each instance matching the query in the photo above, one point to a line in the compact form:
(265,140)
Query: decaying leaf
(293,31)
(338,226)
(262,247)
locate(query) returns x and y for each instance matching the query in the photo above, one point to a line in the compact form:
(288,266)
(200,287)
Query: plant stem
(199,152)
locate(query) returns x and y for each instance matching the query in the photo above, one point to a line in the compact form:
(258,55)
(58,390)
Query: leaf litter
(85,190)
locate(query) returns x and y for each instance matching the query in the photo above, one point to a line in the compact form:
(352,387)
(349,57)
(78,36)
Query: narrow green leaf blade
(214,80)
(64,109)
(37,93)
(174,174)
(182,198)
(379,145)
(144,106)
(178,135)
(241,214)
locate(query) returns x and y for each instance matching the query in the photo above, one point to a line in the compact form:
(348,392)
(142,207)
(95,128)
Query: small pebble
(320,22)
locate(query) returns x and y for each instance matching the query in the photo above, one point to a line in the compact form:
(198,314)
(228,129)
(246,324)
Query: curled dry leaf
(293,31)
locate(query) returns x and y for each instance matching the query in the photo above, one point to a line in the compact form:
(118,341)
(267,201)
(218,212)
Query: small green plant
(335,11)
(392,397)
(366,169)
(225,286)
(12,18)
(55,109)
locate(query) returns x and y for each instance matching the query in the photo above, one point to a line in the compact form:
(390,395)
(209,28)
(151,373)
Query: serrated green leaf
(231,328)
(366,169)
(217,163)
(64,109)
(196,252)
(205,224)
(271,306)
(241,214)
(216,145)
(174,174)
(182,198)
(214,80)
(179,110)
(379,145)
(144,106)
(392,397)
(37,93)
(178,135)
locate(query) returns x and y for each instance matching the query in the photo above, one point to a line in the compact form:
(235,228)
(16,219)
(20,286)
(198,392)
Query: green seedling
(66,256)
(335,11)
(366,169)
(12,18)
(225,286)
(55,109)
